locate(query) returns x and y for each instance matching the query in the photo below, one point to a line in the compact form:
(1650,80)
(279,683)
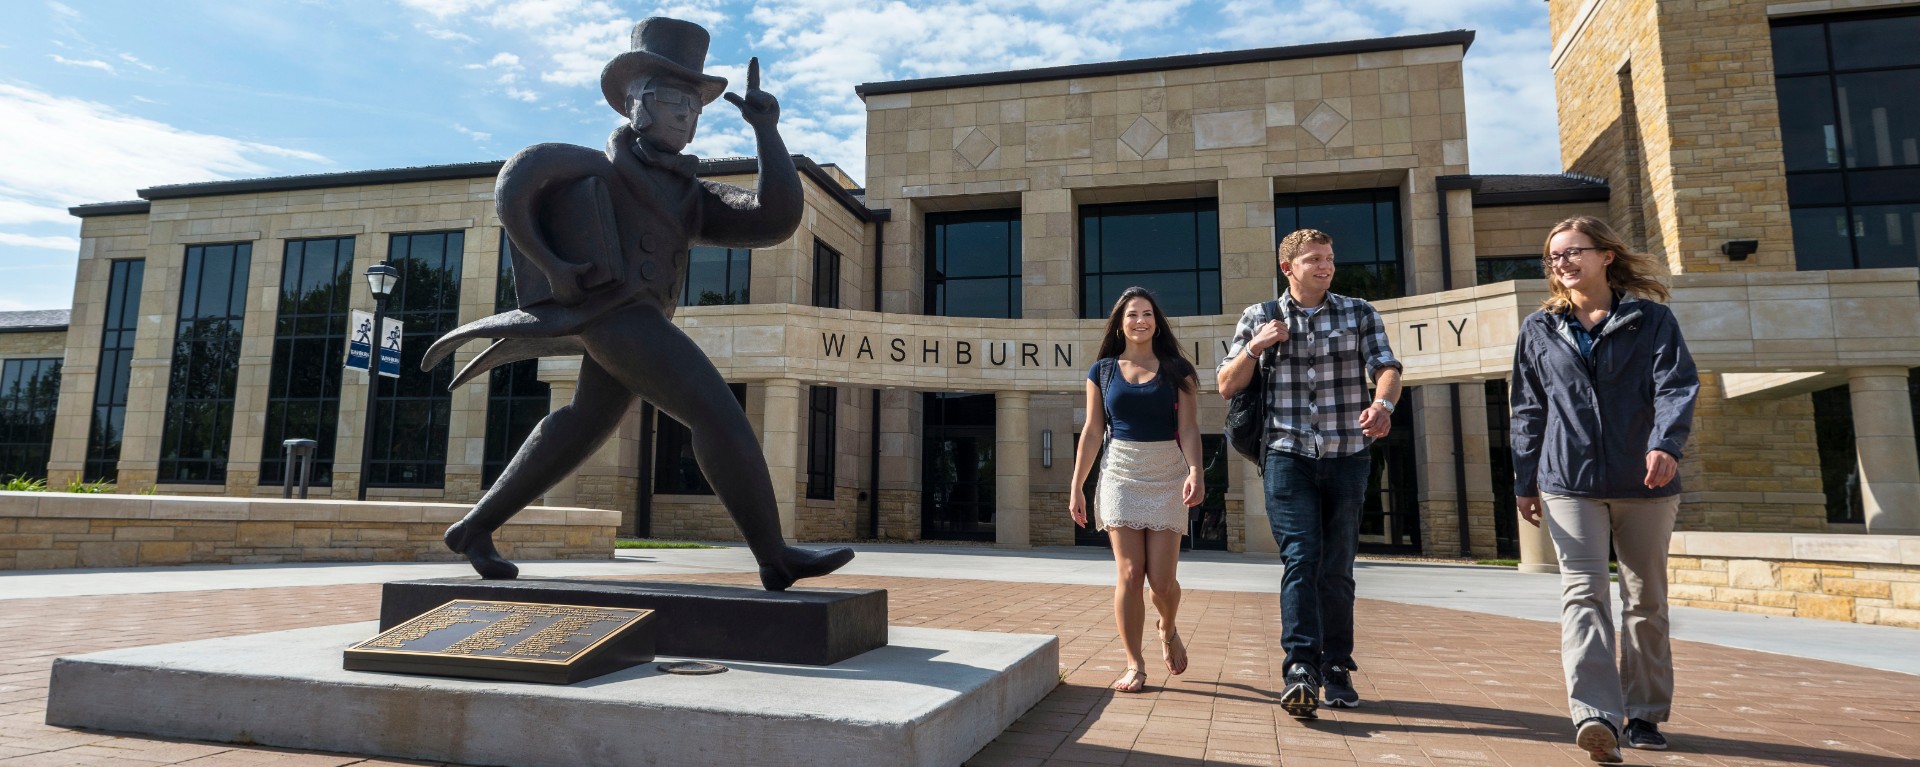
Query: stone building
(914,357)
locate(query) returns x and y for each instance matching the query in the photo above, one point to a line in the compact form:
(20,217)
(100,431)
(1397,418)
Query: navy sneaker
(1646,735)
(1597,737)
(1302,697)
(1339,690)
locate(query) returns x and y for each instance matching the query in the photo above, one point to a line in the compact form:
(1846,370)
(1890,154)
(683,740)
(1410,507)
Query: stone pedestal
(1883,437)
(814,627)
(929,698)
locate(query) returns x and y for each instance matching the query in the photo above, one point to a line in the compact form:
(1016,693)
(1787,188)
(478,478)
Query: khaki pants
(1641,686)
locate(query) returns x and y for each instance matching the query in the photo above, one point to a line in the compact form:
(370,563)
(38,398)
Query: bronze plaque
(511,641)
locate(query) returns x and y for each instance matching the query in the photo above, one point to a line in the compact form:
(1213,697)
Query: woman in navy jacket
(1603,393)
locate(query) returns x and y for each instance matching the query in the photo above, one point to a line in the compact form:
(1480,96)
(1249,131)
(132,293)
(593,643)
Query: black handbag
(1247,412)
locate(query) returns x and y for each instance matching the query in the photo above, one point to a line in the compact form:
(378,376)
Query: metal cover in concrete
(930,697)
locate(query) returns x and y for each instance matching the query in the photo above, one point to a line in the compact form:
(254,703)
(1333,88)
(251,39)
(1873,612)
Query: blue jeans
(1314,507)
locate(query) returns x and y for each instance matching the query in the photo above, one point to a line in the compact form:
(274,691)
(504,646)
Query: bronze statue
(600,246)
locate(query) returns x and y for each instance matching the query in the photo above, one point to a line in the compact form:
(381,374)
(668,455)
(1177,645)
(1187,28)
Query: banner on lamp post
(360,343)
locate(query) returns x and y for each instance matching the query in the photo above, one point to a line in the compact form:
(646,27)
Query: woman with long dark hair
(1603,393)
(1141,396)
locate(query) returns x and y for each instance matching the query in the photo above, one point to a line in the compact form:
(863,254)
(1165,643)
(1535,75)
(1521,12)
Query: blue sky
(99,99)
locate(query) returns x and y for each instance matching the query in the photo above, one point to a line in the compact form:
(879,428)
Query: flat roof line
(1460,37)
(723,166)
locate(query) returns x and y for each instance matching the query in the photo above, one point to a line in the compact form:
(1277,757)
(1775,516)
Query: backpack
(1246,427)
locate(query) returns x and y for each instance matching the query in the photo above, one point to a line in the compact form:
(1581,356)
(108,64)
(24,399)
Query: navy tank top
(1140,412)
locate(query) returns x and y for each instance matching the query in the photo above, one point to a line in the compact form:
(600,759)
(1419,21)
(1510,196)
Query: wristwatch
(1385,404)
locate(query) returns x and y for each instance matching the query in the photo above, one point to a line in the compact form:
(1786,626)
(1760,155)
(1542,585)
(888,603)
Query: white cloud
(87,63)
(131,59)
(504,59)
(438,33)
(66,151)
(63,9)
(445,8)
(21,212)
(479,136)
(69,244)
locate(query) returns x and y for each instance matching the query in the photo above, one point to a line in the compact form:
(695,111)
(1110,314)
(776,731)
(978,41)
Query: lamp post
(381,278)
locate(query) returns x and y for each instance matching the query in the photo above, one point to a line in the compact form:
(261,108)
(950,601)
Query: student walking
(1141,392)
(1321,350)
(1603,393)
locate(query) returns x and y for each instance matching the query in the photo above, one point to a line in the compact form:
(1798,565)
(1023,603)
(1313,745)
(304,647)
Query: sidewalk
(1457,668)
(1491,590)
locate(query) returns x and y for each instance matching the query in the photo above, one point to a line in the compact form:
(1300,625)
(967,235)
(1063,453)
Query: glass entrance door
(1390,521)
(957,468)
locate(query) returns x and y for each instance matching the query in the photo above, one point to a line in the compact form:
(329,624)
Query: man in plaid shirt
(1321,350)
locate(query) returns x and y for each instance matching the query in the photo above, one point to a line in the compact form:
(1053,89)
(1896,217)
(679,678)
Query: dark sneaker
(1302,697)
(1596,736)
(1339,691)
(1644,734)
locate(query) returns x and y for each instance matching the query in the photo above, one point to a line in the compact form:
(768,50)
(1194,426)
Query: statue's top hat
(661,47)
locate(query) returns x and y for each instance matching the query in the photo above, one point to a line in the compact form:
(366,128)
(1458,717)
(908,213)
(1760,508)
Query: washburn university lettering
(1027,354)
(999,353)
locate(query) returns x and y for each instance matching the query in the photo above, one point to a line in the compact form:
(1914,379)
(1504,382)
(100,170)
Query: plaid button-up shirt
(1319,382)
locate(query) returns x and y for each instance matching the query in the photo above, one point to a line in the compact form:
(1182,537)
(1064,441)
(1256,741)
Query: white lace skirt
(1140,487)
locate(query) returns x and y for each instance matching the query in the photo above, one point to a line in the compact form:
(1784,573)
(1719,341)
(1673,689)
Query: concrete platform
(931,697)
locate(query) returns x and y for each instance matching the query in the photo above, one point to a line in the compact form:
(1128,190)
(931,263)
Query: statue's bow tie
(683,164)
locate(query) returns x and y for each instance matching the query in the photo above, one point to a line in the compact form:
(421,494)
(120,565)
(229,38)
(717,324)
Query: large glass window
(717,276)
(1365,226)
(823,425)
(1850,134)
(675,470)
(410,430)
(1171,248)
(826,276)
(29,390)
(516,397)
(1490,270)
(973,264)
(206,364)
(116,365)
(309,341)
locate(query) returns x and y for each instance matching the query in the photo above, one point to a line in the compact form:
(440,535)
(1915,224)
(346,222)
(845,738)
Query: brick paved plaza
(1442,687)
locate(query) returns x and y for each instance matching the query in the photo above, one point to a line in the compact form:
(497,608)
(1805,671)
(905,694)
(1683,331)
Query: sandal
(1133,680)
(1174,650)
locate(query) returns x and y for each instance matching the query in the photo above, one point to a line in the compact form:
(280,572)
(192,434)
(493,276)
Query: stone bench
(41,531)
(1858,578)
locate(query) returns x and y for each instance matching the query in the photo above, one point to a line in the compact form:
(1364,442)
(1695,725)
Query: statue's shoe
(796,563)
(477,544)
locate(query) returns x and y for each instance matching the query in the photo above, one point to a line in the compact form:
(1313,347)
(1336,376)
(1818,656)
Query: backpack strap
(1273,311)
(1109,367)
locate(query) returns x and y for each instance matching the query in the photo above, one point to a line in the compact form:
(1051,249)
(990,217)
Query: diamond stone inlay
(1324,122)
(1141,136)
(975,148)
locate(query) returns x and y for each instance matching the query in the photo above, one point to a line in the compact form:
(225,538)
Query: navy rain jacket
(1584,429)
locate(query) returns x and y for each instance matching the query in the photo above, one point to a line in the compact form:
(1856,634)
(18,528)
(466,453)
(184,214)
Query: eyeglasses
(1570,255)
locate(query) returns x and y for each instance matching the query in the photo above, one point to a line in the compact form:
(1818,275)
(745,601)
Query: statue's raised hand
(759,108)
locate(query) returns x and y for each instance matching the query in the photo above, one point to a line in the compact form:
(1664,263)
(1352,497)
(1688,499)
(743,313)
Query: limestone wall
(42,531)
(1857,578)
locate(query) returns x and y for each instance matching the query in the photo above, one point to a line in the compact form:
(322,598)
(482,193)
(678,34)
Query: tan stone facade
(1668,120)
(1675,104)
(1854,578)
(33,345)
